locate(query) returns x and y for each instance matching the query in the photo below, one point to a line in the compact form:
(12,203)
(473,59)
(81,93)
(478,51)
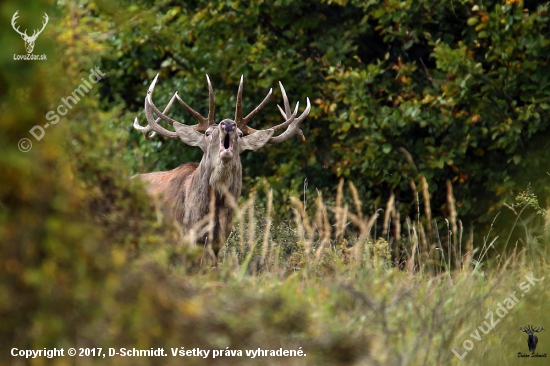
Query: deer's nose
(229,126)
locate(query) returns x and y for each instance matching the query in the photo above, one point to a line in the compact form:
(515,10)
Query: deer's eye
(208,133)
(240,134)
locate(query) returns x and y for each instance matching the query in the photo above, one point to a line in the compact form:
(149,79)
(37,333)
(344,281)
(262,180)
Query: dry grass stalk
(324,230)
(339,213)
(469,251)
(411,265)
(427,208)
(268,224)
(415,193)
(387,213)
(424,251)
(458,262)
(451,202)
(251,227)
(356,200)
(395,244)
(303,225)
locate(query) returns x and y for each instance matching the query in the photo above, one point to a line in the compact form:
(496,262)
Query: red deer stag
(192,190)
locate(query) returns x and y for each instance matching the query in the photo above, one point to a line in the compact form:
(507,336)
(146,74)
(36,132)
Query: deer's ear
(191,137)
(255,140)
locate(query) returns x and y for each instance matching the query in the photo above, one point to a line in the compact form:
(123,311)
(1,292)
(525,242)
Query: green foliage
(528,198)
(87,261)
(462,87)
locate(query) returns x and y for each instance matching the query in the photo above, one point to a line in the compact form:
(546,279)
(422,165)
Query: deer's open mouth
(227,143)
(226,146)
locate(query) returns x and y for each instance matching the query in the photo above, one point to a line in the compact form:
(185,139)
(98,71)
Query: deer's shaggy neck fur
(190,206)
(222,174)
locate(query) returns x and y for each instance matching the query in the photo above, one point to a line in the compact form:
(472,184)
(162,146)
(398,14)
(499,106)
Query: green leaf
(473,21)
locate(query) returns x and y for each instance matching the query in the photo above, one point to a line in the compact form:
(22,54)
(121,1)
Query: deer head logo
(532,339)
(29,40)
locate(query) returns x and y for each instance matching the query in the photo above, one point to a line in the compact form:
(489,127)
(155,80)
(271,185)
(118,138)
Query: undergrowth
(415,295)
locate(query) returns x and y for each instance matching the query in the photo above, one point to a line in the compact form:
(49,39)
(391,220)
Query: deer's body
(202,196)
(188,206)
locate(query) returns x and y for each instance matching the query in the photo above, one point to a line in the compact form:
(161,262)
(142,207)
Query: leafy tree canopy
(448,90)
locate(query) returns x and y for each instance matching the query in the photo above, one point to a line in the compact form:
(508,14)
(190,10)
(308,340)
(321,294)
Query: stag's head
(530,330)
(29,40)
(221,143)
(532,339)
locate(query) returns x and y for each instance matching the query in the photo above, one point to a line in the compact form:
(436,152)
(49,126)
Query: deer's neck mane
(220,176)
(223,176)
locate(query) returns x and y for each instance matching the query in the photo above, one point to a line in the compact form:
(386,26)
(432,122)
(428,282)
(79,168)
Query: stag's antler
(24,34)
(145,130)
(529,329)
(291,122)
(153,124)
(242,123)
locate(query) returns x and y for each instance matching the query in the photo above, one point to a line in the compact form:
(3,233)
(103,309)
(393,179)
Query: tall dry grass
(323,238)
(375,289)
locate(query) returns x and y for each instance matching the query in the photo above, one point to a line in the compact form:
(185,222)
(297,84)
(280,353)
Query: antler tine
(154,124)
(540,328)
(239,104)
(285,115)
(246,130)
(203,124)
(291,121)
(293,125)
(285,100)
(149,114)
(145,130)
(211,104)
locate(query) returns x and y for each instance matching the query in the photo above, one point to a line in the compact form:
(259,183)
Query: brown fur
(189,206)
(193,192)
(186,192)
